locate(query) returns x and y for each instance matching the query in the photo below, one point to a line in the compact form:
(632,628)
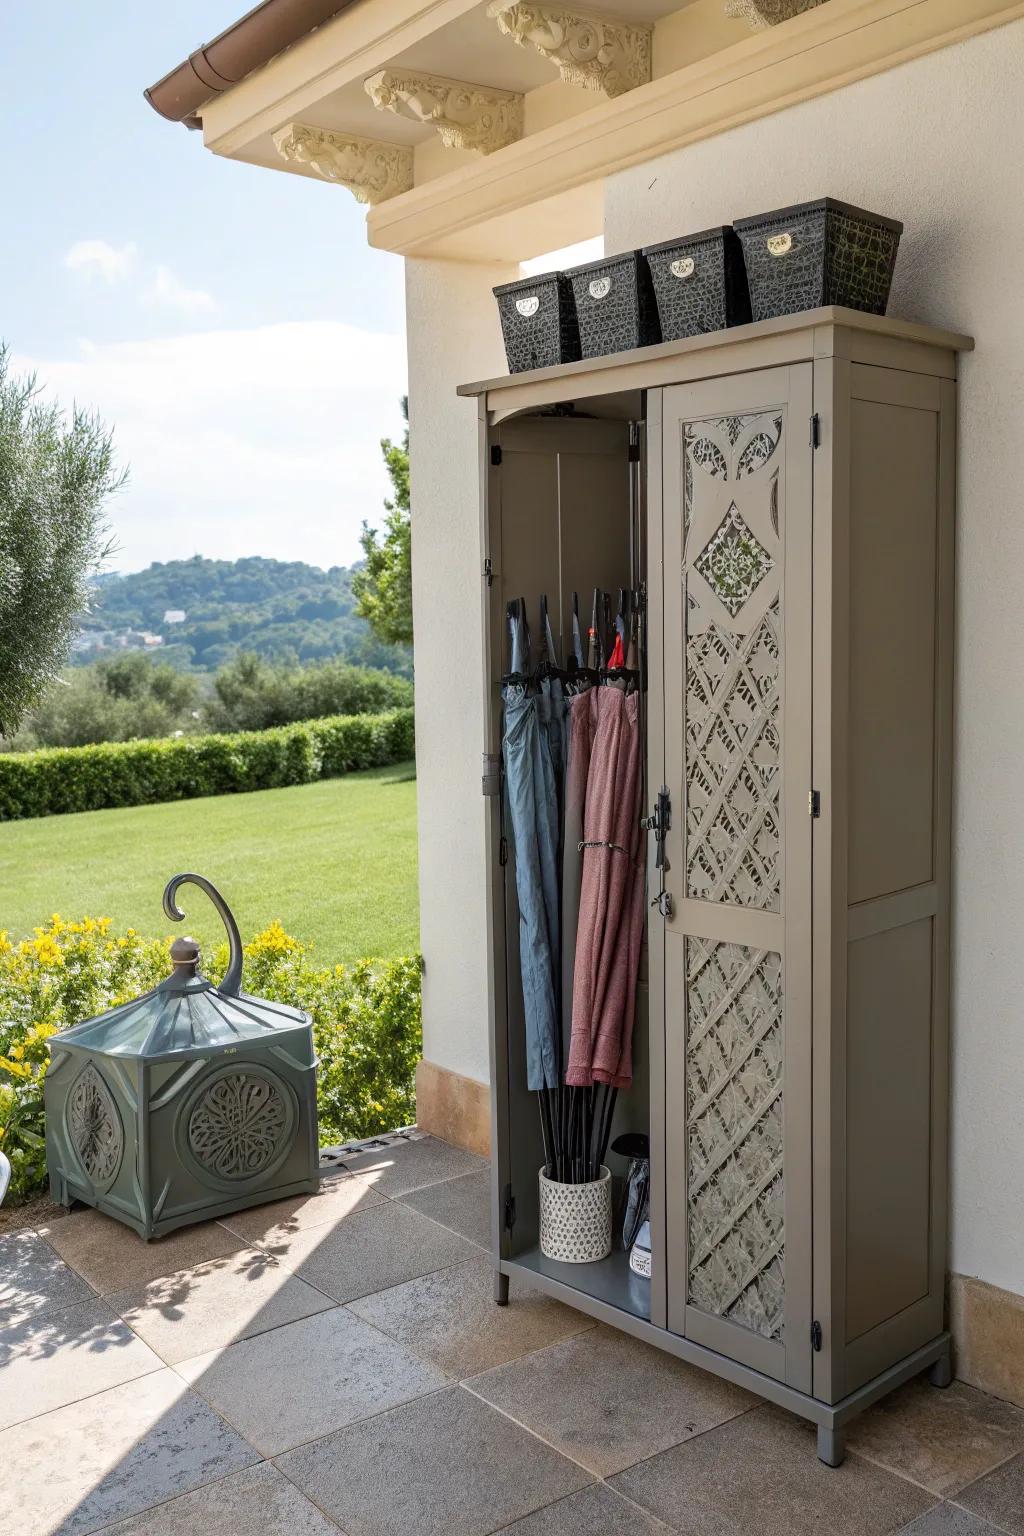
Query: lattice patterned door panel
(734,1133)
(737,585)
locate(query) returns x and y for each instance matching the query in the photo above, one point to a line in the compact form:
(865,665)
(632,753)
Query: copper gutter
(247,44)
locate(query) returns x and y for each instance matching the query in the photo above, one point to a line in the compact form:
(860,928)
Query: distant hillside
(284,610)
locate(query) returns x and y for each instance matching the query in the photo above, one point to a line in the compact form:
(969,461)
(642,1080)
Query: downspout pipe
(246,45)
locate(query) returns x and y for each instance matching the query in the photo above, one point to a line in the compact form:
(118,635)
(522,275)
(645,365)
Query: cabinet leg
(831,1446)
(941,1373)
(500,1289)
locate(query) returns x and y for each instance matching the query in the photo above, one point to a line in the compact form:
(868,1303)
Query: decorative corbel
(372,170)
(593,51)
(466,116)
(768,13)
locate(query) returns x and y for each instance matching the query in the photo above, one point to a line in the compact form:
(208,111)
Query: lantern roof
(186,1013)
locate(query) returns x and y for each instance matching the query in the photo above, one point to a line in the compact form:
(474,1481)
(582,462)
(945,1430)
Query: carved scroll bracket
(593,51)
(372,170)
(768,13)
(465,116)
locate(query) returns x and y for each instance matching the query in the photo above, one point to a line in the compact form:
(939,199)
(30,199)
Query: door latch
(816,1336)
(659,822)
(814,802)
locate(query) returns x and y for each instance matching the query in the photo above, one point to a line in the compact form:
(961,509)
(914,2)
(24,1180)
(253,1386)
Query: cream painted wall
(453,336)
(938,144)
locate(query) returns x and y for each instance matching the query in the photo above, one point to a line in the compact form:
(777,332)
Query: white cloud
(168,289)
(98,258)
(262,441)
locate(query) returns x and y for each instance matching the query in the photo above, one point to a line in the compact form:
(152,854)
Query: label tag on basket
(600,287)
(780,245)
(682,267)
(528,307)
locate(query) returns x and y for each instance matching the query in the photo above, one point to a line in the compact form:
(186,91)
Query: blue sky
(230,323)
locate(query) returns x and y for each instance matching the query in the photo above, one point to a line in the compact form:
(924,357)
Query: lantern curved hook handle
(232,982)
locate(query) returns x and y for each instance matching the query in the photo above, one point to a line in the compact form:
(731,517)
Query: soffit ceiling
(469,48)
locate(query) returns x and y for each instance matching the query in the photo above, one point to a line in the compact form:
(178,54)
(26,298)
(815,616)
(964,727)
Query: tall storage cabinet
(797,496)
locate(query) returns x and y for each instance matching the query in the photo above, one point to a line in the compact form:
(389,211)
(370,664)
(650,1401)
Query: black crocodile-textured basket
(700,283)
(615,304)
(538,322)
(818,253)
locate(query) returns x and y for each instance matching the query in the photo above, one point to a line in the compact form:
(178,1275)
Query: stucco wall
(936,143)
(453,336)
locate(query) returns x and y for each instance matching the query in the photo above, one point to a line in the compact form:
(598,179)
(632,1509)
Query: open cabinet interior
(565,504)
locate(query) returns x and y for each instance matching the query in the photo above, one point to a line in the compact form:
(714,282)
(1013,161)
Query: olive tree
(56,474)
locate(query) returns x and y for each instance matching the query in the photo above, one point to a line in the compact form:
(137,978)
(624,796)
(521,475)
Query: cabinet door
(737,693)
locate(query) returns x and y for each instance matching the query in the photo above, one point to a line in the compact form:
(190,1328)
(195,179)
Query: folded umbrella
(532,801)
(611,894)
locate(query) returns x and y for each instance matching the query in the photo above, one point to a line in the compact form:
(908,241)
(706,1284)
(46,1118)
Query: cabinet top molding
(600,53)
(466,116)
(831,331)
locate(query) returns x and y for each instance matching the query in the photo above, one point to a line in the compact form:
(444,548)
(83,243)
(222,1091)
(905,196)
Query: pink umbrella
(612,893)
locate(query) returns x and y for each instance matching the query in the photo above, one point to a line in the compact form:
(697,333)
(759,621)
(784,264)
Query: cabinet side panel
(897,576)
(894,466)
(888,1035)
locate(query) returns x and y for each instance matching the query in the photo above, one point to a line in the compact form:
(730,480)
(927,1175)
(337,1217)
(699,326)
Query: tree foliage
(284,610)
(250,694)
(55,478)
(383,588)
(136,696)
(128,697)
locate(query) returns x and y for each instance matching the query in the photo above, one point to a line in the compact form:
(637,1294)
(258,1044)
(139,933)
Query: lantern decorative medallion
(187,1103)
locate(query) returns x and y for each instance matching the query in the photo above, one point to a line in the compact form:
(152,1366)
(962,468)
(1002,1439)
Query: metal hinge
(488,571)
(814,802)
(634,453)
(510,1208)
(495,454)
(503,851)
(490,783)
(815,431)
(816,1335)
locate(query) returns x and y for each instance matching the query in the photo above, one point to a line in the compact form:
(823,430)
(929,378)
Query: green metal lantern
(187,1103)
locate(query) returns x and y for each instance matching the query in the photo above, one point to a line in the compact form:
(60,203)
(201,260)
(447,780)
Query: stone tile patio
(335,1363)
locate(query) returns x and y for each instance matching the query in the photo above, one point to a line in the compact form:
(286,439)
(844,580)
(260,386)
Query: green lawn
(335,861)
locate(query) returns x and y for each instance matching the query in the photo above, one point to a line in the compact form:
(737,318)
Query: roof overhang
(446,77)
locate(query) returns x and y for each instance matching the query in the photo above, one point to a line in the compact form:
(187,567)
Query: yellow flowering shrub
(366,1022)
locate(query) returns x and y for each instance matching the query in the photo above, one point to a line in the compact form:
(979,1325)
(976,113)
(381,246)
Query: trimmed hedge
(59,780)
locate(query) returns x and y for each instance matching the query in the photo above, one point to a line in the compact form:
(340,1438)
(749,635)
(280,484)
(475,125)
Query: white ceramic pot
(576,1219)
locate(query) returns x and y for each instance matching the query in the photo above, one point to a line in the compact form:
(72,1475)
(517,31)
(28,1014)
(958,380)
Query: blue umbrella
(534,721)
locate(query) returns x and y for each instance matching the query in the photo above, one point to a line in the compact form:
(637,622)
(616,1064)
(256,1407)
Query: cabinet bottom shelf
(609,1280)
(609,1292)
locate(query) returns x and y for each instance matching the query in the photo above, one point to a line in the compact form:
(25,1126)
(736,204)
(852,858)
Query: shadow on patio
(335,1362)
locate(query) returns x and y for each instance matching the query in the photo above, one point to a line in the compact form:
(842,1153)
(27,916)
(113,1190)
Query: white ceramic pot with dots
(576,1219)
